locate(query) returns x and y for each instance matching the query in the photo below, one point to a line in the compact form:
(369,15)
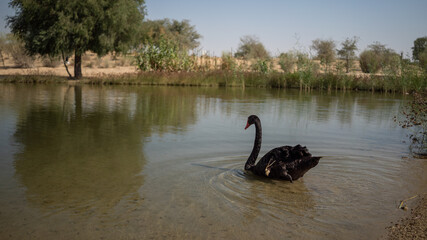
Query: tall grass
(407,81)
(303,81)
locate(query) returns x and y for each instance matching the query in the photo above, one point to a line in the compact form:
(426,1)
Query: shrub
(228,62)
(51,62)
(423,59)
(379,57)
(287,61)
(16,49)
(370,62)
(325,51)
(251,48)
(164,56)
(262,66)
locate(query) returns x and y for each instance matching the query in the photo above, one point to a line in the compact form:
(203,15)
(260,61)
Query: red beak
(247,125)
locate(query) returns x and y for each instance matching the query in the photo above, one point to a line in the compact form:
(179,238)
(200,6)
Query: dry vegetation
(93,66)
(111,64)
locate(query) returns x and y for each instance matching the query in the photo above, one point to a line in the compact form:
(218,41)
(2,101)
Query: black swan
(286,162)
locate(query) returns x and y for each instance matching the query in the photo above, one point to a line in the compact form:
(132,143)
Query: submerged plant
(415,119)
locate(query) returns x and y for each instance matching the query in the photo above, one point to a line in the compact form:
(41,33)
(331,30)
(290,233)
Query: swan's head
(251,120)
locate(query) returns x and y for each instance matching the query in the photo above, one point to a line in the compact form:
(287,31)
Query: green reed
(405,82)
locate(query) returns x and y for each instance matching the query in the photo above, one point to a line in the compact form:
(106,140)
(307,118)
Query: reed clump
(305,80)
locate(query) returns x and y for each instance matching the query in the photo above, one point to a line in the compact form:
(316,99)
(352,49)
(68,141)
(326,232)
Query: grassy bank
(302,80)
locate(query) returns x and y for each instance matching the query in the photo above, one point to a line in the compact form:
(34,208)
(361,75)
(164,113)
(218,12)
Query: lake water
(167,162)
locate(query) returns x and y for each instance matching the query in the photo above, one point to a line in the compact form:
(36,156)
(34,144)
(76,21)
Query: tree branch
(65,65)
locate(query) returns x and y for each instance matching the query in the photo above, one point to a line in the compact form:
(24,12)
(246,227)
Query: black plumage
(286,162)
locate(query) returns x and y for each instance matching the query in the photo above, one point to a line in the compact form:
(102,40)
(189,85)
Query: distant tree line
(56,29)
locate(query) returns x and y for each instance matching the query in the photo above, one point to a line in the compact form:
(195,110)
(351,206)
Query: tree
(423,59)
(377,57)
(420,44)
(251,48)
(287,61)
(3,45)
(325,51)
(348,52)
(66,27)
(181,32)
(370,62)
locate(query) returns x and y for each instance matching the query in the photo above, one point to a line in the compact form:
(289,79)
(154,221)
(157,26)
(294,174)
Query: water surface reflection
(167,162)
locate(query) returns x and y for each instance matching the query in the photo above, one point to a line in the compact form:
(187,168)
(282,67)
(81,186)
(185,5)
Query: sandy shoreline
(414,226)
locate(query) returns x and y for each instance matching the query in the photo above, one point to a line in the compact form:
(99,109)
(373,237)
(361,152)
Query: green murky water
(167,162)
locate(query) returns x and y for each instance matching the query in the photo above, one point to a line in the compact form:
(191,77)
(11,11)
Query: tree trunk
(347,67)
(78,66)
(65,65)
(78,100)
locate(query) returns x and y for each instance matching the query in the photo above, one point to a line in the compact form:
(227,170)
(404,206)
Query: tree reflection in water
(83,149)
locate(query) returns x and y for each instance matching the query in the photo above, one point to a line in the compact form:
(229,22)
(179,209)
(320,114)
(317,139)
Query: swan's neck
(257,146)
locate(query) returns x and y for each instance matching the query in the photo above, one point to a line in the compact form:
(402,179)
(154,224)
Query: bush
(325,51)
(51,62)
(262,66)
(379,57)
(164,56)
(370,62)
(305,64)
(16,49)
(228,62)
(251,48)
(287,61)
(423,59)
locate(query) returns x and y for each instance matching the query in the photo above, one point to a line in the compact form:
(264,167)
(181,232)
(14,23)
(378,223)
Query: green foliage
(251,48)
(377,57)
(164,56)
(262,66)
(228,63)
(422,57)
(305,64)
(348,52)
(420,45)
(73,26)
(287,61)
(325,51)
(181,32)
(370,62)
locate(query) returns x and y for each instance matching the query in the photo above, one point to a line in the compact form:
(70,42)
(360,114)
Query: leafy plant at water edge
(415,119)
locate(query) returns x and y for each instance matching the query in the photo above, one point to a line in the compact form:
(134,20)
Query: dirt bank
(413,226)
